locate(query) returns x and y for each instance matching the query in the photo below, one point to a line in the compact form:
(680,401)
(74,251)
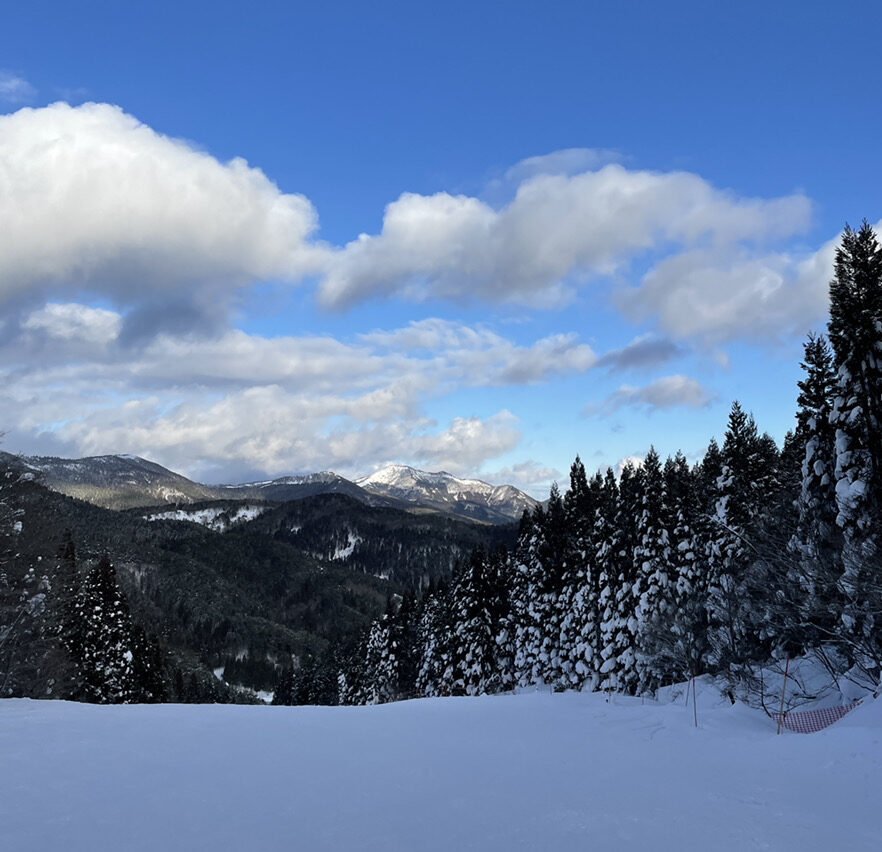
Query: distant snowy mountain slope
(470,498)
(129,482)
(114,482)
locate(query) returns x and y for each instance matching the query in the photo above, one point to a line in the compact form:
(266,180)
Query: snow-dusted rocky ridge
(128,482)
(115,482)
(442,491)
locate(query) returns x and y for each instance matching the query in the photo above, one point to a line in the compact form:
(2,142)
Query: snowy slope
(445,492)
(116,482)
(528,772)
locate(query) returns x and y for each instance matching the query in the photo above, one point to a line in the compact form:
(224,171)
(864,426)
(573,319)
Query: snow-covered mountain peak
(442,490)
(324,476)
(402,474)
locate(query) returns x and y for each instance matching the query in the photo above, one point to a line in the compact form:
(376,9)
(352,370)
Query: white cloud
(93,200)
(488,358)
(530,476)
(75,322)
(14,89)
(647,350)
(275,405)
(271,430)
(663,393)
(715,296)
(633,461)
(558,231)
(567,161)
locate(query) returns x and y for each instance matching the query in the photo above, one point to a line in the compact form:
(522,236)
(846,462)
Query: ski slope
(534,771)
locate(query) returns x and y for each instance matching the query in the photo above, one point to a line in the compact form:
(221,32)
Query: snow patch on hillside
(345,551)
(215,518)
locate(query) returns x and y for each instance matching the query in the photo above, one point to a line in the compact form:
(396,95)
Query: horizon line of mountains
(130,482)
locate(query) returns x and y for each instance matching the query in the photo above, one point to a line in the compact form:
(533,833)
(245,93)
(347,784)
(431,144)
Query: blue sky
(588,228)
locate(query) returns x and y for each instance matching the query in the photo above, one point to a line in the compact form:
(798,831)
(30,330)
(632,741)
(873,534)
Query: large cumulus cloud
(558,230)
(94,201)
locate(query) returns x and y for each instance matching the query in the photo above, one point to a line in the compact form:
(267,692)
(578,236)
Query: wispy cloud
(648,350)
(15,89)
(663,393)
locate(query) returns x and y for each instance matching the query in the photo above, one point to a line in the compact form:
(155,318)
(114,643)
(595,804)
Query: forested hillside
(184,601)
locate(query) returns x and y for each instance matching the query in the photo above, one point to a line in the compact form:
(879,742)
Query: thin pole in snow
(694,705)
(783,690)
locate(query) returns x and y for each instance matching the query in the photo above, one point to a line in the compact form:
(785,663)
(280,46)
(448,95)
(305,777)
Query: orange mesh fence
(810,721)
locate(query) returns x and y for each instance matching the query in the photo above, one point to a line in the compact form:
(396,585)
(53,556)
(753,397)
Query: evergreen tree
(579,600)
(435,674)
(855,331)
(620,625)
(474,645)
(553,553)
(732,589)
(500,584)
(104,647)
(385,659)
(654,586)
(816,605)
(527,585)
(684,651)
(606,538)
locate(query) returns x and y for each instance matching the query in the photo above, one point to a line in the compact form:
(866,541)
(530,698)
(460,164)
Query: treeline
(67,632)
(668,570)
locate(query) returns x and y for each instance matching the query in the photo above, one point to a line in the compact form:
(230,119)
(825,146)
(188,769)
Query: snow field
(533,771)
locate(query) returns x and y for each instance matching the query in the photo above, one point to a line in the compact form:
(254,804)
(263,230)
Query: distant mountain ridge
(131,482)
(471,498)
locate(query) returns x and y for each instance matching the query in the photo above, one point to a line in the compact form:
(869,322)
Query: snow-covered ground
(535,771)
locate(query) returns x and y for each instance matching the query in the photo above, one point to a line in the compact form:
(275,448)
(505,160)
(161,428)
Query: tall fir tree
(435,628)
(105,647)
(527,607)
(731,588)
(474,642)
(855,332)
(685,646)
(580,596)
(655,582)
(816,604)
(620,624)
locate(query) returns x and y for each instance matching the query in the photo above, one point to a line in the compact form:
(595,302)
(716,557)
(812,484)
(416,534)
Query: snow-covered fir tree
(526,599)
(730,588)
(606,537)
(474,634)
(103,642)
(619,623)
(435,674)
(654,584)
(382,660)
(855,331)
(682,635)
(817,542)
(580,596)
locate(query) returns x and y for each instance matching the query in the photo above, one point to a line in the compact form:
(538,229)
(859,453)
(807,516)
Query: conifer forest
(670,570)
